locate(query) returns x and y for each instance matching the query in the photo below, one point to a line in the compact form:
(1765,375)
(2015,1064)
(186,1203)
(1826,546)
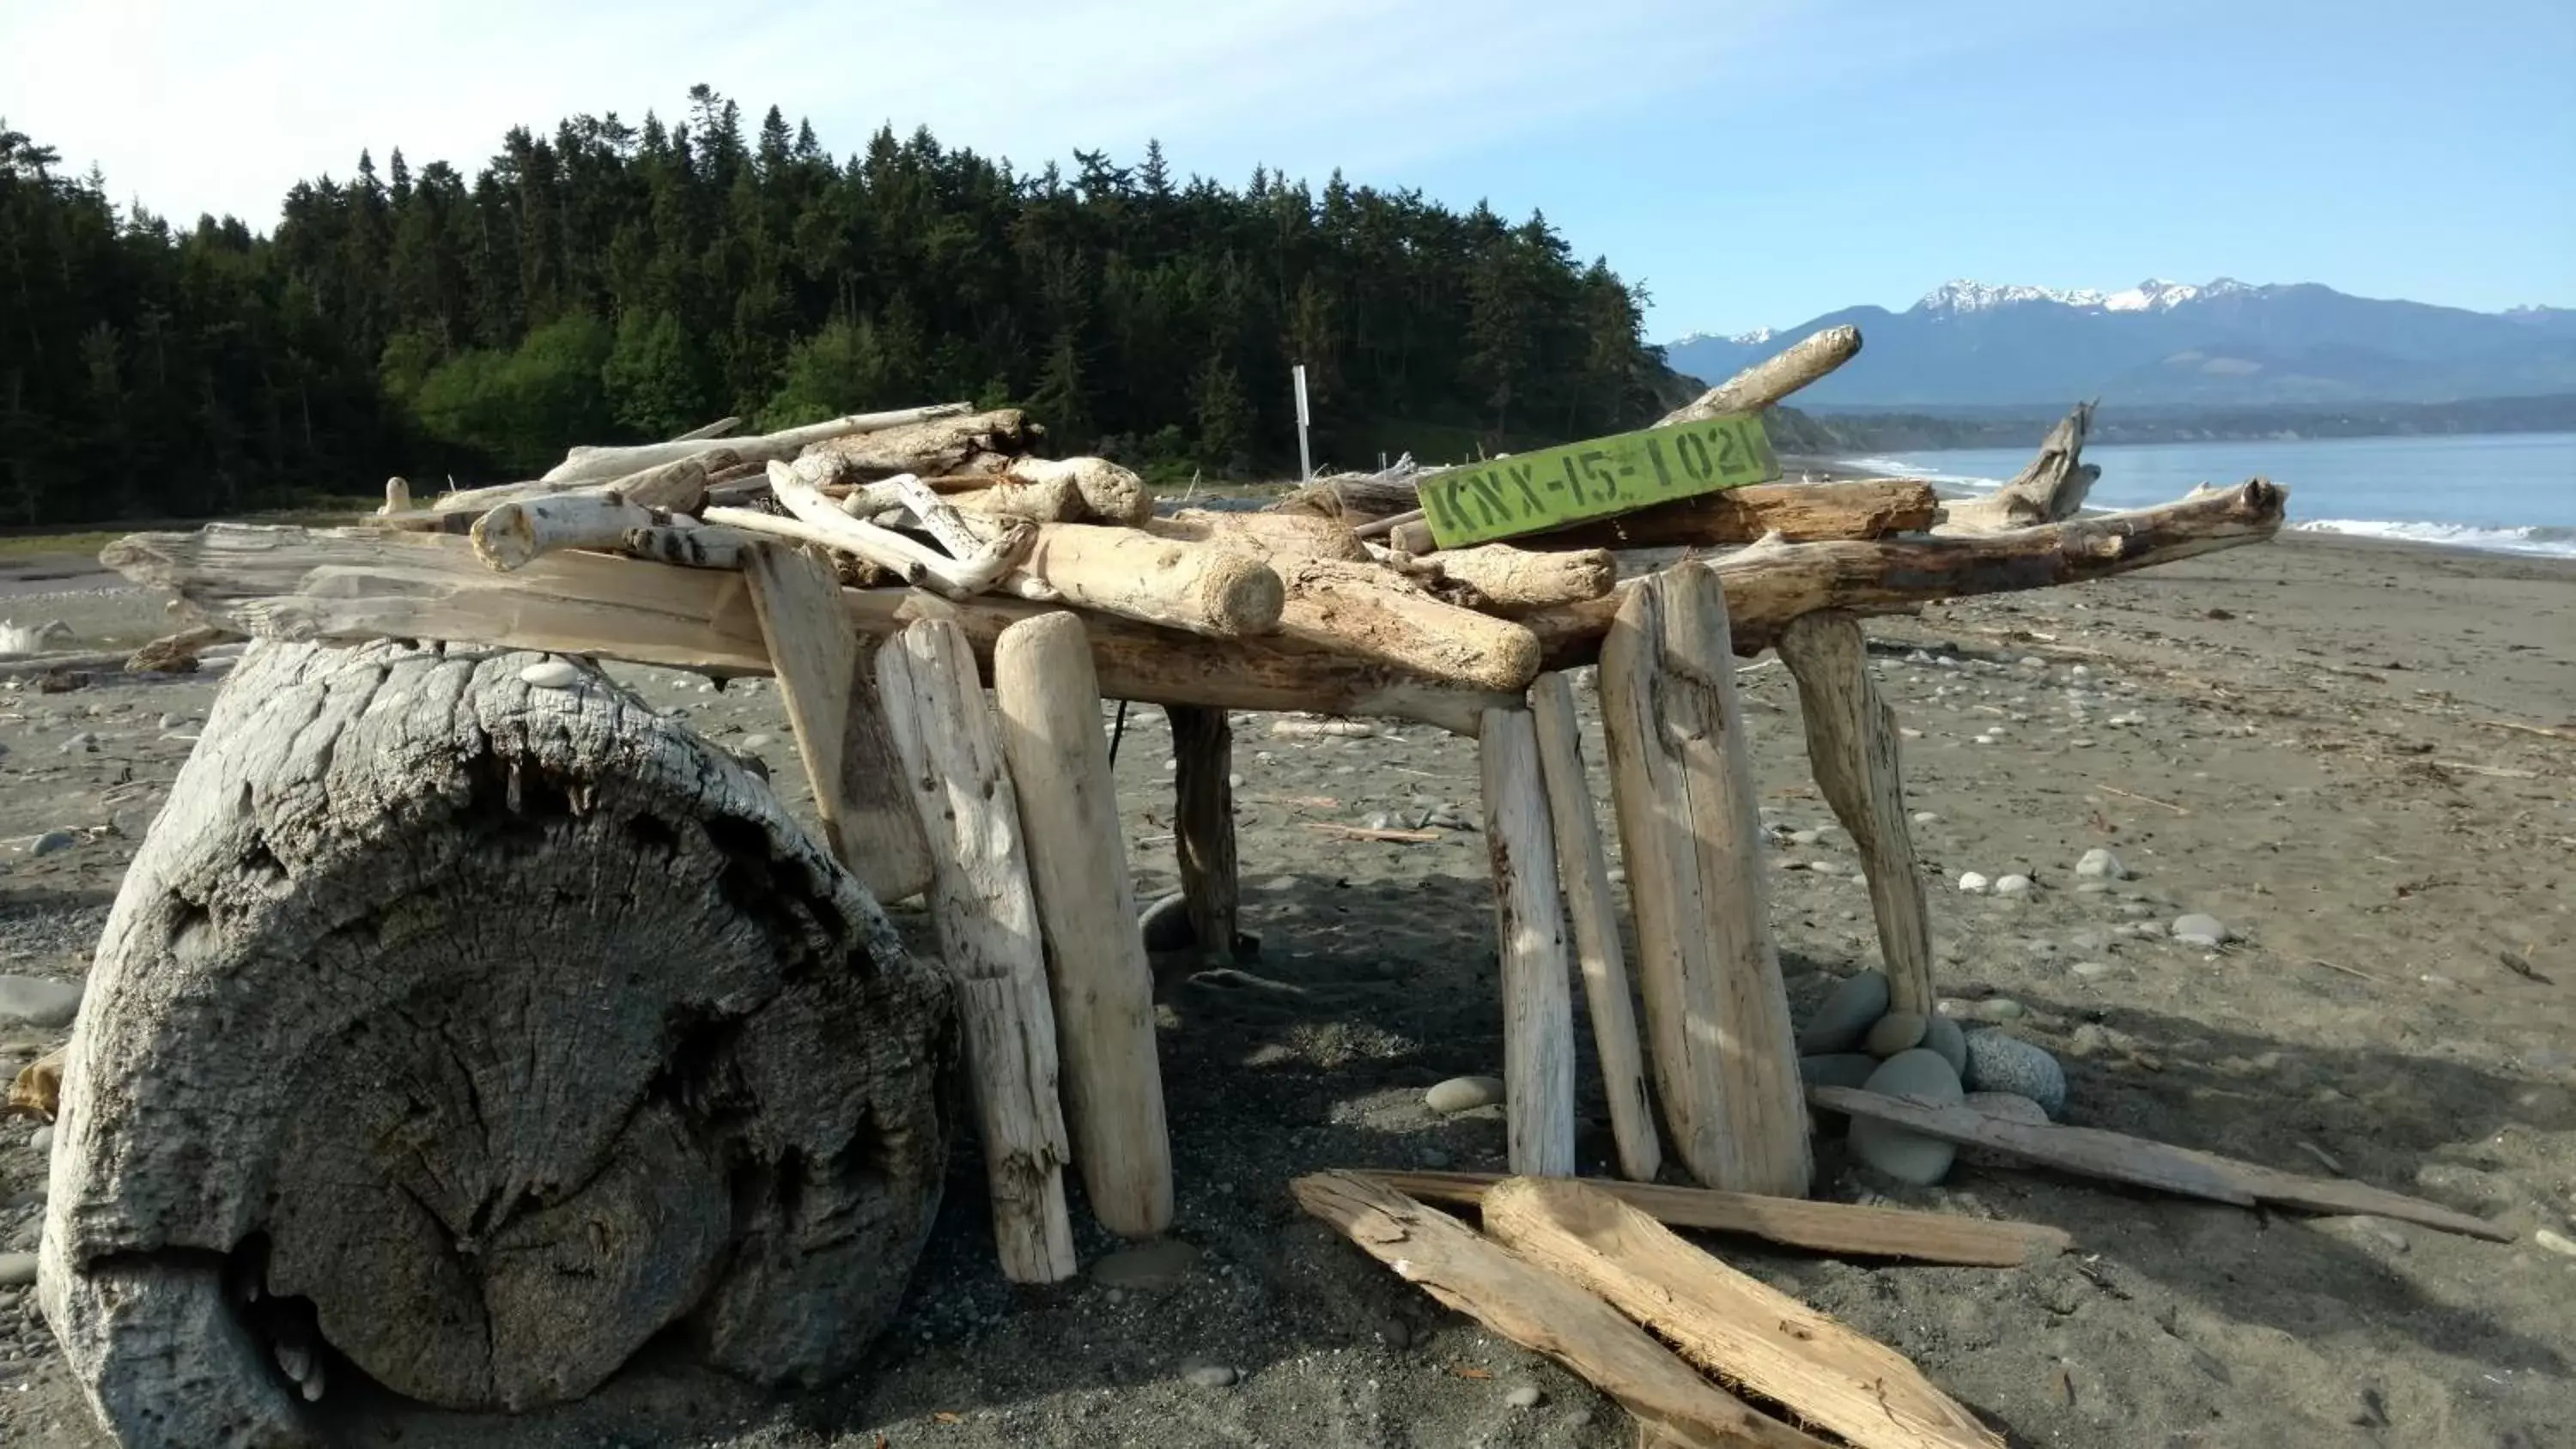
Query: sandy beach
(2356,756)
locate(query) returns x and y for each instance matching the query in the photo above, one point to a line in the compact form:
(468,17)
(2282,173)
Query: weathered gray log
(1775,377)
(520,1026)
(1529,927)
(1203,823)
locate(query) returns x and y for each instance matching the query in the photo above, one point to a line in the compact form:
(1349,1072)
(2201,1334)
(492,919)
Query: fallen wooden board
(1823,1227)
(2117,1157)
(1749,1334)
(1539,1311)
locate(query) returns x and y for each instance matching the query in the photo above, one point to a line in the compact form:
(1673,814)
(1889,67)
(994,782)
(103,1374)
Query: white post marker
(1305,459)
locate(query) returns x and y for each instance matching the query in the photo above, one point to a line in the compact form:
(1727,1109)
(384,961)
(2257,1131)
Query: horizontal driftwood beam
(349,584)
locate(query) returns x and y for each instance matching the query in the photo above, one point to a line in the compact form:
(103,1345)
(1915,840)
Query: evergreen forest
(613,282)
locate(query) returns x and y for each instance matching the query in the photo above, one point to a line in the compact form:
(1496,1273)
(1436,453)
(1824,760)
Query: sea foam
(2544,539)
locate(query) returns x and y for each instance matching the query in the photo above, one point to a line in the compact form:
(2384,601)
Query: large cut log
(1299,535)
(1512,581)
(1845,1229)
(1717,1014)
(1048,701)
(1736,1327)
(1775,377)
(1538,1009)
(1540,1311)
(1203,825)
(509,1028)
(984,442)
(1585,872)
(586,464)
(827,679)
(1798,512)
(1219,592)
(2051,487)
(1852,749)
(986,919)
(1368,612)
(350,584)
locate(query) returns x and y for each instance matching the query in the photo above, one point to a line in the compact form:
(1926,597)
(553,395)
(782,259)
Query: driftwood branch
(1766,382)
(587,464)
(2050,488)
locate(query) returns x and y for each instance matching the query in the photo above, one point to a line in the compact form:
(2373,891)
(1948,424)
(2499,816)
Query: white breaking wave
(1899,468)
(2545,539)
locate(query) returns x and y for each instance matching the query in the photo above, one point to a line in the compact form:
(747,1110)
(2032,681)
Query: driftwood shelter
(613,1045)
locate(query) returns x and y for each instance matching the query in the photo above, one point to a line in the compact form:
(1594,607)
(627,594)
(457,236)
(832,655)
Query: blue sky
(1753,162)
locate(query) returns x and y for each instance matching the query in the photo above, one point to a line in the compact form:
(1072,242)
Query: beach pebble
(551,674)
(2554,1242)
(1998,1008)
(173,721)
(1941,1034)
(41,1140)
(83,743)
(1926,817)
(2100,864)
(1211,1376)
(2001,1063)
(53,840)
(1166,924)
(2012,1109)
(1463,1094)
(1856,1003)
(1526,1396)
(2199,930)
(2014,885)
(17,1270)
(758,742)
(1972,883)
(1901,1154)
(1895,1032)
(2091,970)
(35,1001)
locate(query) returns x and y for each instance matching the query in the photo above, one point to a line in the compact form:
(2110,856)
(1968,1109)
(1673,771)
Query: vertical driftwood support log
(1851,745)
(1203,822)
(1049,702)
(1586,875)
(827,677)
(1538,1008)
(1716,1014)
(987,922)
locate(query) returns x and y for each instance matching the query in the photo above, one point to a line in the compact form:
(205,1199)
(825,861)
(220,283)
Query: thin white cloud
(221,107)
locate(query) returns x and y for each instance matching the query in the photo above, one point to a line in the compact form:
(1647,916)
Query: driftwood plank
(2117,1157)
(1746,1332)
(1538,1006)
(1681,782)
(1584,871)
(987,922)
(827,680)
(1822,1227)
(1203,824)
(1539,1311)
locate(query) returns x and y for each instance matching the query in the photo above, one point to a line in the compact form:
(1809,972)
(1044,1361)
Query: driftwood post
(986,918)
(1538,1010)
(828,682)
(1851,745)
(1049,702)
(1717,1015)
(1586,876)
(1203,822)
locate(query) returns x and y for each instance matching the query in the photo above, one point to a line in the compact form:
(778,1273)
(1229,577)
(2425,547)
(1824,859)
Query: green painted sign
(1531,492)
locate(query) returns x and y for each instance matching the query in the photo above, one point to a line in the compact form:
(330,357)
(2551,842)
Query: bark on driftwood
(2050,489)
(499,1029)
(1773,378)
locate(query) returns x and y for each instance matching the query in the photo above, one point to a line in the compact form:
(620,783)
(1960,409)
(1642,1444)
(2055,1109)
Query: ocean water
(2507,492)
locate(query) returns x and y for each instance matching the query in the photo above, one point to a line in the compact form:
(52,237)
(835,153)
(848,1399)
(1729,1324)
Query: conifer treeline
(614,282)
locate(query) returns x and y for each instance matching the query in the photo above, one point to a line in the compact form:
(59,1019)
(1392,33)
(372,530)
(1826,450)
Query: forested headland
(616,282)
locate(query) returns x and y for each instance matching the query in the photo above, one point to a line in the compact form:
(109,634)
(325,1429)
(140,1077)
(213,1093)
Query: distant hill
(2167,344)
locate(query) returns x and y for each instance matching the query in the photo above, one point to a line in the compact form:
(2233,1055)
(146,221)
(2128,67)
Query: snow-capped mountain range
(2216,343)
